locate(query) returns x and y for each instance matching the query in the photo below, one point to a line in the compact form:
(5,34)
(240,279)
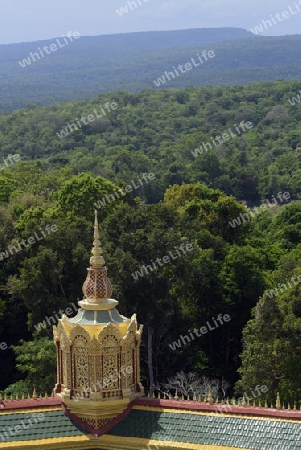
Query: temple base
(97,413)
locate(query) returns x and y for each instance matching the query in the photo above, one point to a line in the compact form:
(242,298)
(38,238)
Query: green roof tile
(210,430)
(54,424)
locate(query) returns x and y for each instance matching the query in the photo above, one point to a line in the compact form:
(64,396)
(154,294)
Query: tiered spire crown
(97,288)
(97,260)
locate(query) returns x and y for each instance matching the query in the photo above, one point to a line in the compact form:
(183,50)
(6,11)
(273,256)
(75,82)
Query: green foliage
(76,196)
(37,361)
(271,353)
(150,132)
(191,200)
(271,350)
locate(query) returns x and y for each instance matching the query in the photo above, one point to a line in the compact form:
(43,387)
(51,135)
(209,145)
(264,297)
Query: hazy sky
(31,20)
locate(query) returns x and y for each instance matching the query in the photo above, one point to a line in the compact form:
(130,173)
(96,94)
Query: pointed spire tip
(97,260)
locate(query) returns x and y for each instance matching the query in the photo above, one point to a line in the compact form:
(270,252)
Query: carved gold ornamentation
(94,347)
(110,330)
(79,330)
(97,286)
(93,358)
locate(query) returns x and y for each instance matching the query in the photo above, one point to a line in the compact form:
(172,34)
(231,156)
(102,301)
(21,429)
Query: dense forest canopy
(160,132)
(177,197)
(88,66)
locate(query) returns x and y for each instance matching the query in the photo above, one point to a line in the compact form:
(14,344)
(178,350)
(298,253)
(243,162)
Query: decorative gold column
(98,350)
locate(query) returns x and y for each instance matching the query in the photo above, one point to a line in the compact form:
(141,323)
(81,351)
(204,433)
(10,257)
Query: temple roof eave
(98,327)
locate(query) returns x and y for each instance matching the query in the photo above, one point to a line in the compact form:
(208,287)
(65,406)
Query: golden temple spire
(97,288)
(97,260)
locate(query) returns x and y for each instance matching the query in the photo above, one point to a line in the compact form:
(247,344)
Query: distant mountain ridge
(92,65)
(139,40)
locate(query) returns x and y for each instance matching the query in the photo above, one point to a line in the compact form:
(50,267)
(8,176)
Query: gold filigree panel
(65,369)
(81,362)
(110,369)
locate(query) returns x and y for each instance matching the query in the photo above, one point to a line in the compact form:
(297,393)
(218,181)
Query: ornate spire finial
(97,260)
(97,288)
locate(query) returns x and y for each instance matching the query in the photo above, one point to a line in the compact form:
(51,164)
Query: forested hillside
(160,131)
(236,262)
(87,66)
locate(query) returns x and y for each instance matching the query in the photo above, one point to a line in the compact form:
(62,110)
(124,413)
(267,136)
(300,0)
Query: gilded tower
(98,361)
